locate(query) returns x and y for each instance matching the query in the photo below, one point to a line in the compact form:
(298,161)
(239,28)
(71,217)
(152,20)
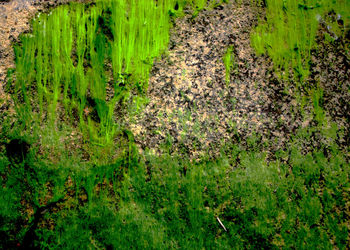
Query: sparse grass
(288,34)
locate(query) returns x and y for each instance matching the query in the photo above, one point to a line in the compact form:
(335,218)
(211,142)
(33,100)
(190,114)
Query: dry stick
(221,224)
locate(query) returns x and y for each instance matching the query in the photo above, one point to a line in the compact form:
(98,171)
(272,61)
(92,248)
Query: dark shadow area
(17,150)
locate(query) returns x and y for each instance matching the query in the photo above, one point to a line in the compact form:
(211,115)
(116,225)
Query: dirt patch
(190,102)
(331,70)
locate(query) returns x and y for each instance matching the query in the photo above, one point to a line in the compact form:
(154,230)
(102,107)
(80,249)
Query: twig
(221,224)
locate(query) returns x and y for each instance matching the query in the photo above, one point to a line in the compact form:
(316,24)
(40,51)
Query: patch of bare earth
(330,68)
(190,102)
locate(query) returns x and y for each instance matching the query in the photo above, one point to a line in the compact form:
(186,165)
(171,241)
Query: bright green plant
(229,62)
(86,59)
(288,34)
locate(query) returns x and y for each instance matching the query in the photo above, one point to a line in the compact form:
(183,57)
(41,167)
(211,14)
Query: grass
(82,61)
(145,201)
(68,57)
(76,53)
(229,62)
(288,33)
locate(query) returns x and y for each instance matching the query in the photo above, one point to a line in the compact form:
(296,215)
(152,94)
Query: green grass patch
(146,201)
(81,61)
(287,35)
